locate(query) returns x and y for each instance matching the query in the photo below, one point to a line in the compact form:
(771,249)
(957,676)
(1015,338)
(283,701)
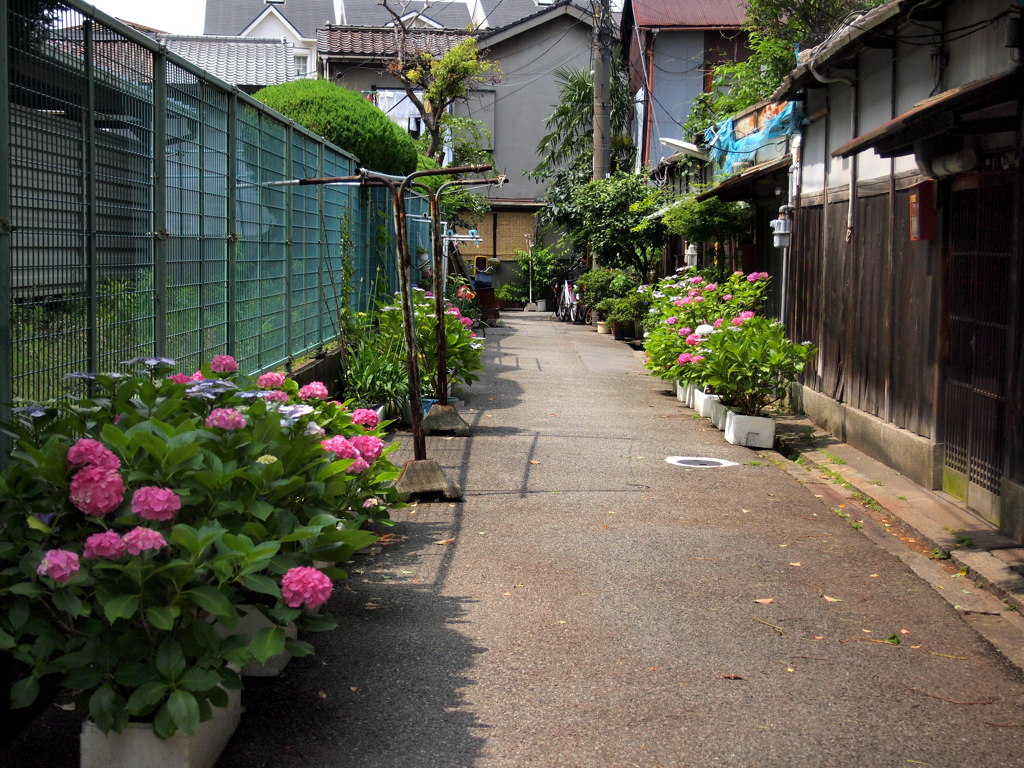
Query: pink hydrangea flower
(223,364)
(696,279)
(139,540)
(342,448)
(696,358)
(107,544)
(718,323)
(366,417)
(150,502)
(369,447)
(711,287)
(92,453)
(225,418)
(59,564)
(315,390)
(305,586)
(97,490)
(697,299)
(373,501)
(466,321)
(197,376)
(693,339)
(271,380)
(684,358)
(671,320)
(180,378)
(685,330)
(753,277)
(276,396)
(746,314)
(737,321)
(727,297)
(693,292)
(679,302)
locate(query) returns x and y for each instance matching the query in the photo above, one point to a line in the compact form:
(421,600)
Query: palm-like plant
(569,141)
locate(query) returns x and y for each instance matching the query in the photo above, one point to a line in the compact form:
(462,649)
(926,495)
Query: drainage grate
(699,462)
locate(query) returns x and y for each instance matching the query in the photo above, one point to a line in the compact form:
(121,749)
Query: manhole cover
(699,462)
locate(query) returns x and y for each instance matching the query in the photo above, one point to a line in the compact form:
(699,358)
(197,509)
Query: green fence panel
(150,209)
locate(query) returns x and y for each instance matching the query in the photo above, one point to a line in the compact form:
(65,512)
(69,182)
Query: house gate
(979,297)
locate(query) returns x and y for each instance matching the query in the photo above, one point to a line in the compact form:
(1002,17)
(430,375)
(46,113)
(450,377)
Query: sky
(182,17)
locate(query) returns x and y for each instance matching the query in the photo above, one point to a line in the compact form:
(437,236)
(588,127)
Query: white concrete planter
(381,411)
(719,413)
(603,327)
(751,431)
(251,621)
(138,747)
(706,404)
(683,392)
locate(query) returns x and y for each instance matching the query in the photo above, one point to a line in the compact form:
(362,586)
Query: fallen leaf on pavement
(446,541)
(534,462)
(733,677)
(831,599)
(765,600)
(795,565)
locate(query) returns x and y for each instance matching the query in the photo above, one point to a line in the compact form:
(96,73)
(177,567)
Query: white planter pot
(706,404)
(751,431)
(138,747)
(542,305)
(381,412)
(683,391)
(250,622)
(698,399)
(719,413)
(603,327)
(691,394)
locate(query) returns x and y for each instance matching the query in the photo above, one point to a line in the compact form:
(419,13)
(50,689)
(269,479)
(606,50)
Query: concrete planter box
(138,747)
(249,624)
(707,403)
(751,431)
(683,392)
(719,413)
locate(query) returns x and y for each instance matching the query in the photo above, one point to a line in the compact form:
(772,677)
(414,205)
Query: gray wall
(678,80)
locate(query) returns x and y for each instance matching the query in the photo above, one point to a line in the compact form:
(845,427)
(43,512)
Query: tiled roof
(237,61)
(688,13)
(375,42)
(230,17)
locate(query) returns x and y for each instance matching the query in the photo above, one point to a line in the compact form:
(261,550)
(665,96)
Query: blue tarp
(725,149)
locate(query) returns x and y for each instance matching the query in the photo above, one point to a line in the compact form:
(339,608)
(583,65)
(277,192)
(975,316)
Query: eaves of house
(381,43)
(238,61)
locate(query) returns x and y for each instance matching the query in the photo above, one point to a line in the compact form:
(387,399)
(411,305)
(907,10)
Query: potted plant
(624,314)
(512,294)
(750,365)
(374,374)
(537,268)
(139,518)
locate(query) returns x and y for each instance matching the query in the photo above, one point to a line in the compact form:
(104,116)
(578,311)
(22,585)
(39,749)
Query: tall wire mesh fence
(143,214)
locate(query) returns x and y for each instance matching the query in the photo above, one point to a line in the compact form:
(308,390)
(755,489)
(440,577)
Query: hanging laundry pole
(420,477)
(444,417)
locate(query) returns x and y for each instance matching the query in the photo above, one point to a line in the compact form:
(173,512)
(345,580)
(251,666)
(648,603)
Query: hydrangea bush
(464,348)
(135,522)
(686,308)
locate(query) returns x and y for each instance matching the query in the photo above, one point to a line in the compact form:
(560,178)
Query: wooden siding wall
(869,306)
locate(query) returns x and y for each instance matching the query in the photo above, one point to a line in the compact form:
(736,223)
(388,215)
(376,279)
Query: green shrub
(345,118)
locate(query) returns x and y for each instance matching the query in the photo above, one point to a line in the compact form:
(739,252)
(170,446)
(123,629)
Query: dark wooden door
(978,295)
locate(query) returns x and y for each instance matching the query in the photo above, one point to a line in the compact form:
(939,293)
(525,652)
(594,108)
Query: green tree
(609,219)
(434,83)
(347,119)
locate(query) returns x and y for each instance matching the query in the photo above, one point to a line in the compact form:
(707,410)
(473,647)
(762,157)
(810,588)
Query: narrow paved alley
(590,604)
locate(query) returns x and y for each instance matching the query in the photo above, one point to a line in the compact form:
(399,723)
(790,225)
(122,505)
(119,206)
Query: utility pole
(601,52)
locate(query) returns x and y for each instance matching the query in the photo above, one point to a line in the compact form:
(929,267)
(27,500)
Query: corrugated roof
(688,13)
(230,17)
(238,61)
(375,42)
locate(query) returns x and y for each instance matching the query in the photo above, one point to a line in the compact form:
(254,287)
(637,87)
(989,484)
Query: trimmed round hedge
(347,119)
